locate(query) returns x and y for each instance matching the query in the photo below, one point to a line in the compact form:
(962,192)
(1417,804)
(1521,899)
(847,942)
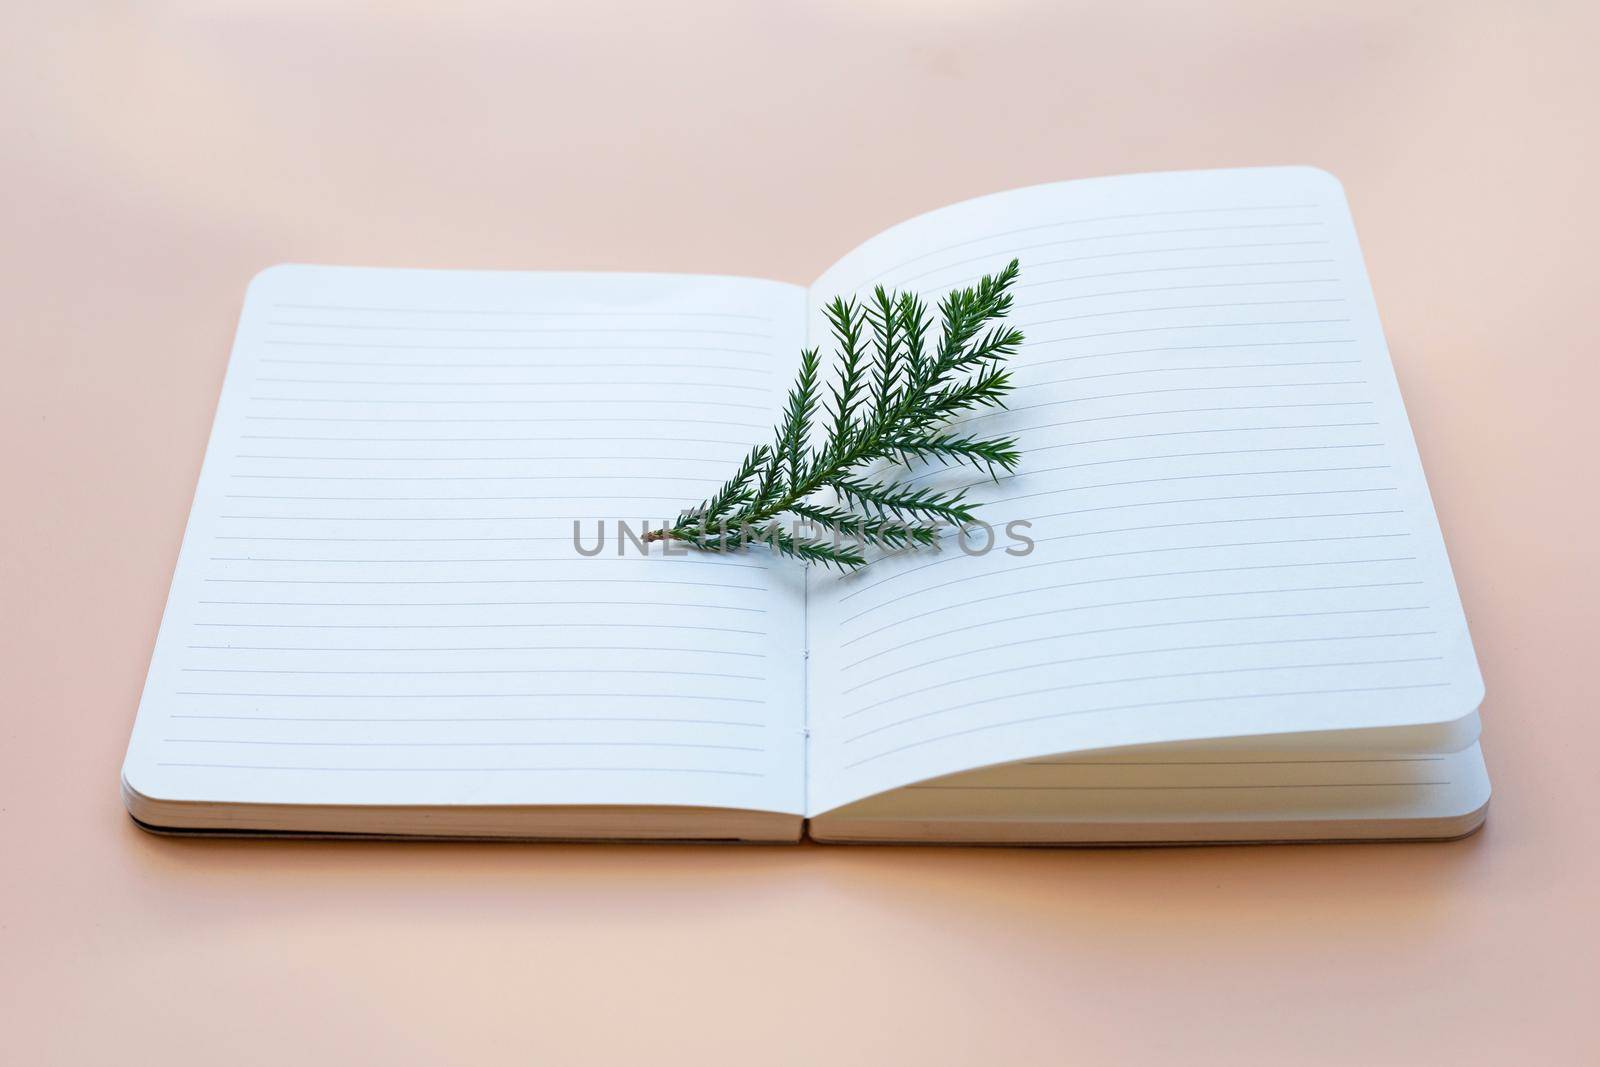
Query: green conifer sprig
(896,389)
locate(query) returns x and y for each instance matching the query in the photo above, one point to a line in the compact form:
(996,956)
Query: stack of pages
(1214,603)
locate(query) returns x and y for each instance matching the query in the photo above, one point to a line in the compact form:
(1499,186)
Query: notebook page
(379,600)
(1230,531)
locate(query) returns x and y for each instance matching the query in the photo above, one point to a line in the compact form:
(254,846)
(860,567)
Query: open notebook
(1237,620)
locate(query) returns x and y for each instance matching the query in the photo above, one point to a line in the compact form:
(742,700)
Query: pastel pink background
(153,156)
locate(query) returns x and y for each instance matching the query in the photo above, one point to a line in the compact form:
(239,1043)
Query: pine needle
(813,493)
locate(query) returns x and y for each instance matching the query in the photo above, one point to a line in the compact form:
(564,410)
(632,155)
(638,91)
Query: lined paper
(1232,534)
(379,601)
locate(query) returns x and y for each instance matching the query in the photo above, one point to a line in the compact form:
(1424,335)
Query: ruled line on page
(503,383)
(482,420)
(459,744)
(633,563)
(1041,263)
(1228,763)
(1167,788)
(950,247)
(396,327)
(473,671)
(519,539)
(651,401)
(388,518)
(497,439)
(1226,522)
(1175,676)
(1112,236)
(1020,251)
(663,560)
(444,559)
(1168,600)
(1097,275)
(562,313)
(1191,368)
(640,649)
(479,604)
(1026,472)
(1020,474)
(724,368)
(477,626)
(461,770)
(1184,307)
(1260,264)
(620,503)
(1184,525)
(1158,574)
(1123,254)
(252,695)
(516,348)
(1035,342)
(433,719)
(716,460)
(1215,646)
(694,478)
(1029,363)
(1180,389)
(1209,499)
(945,560)
(1212,429)
(477,581)
(962,423)
(1198,477)
(1134,707)
(1179,288)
